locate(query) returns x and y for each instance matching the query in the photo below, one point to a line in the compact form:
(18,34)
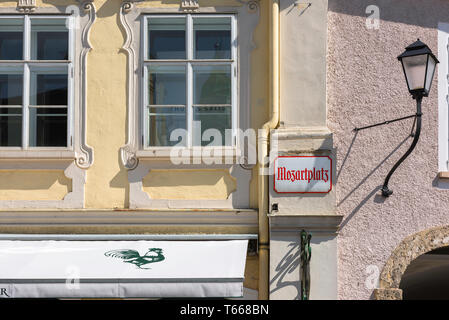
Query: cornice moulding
(316,223)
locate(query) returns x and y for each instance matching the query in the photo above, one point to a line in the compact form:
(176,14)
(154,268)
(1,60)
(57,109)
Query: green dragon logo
(132,256)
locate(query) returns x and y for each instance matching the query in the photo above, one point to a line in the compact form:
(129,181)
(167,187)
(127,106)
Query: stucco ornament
(84,153)
(128,5)
(129,157)
(190,5)
(86,5)
(253,6)
(26,5)
(128,151)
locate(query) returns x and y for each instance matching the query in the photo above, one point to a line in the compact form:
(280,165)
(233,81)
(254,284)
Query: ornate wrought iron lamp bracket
(386,192)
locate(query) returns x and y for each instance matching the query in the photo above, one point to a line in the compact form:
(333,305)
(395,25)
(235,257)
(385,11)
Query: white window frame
(80,157)
(28,64)
(189,63)
(443,97)
(141,161)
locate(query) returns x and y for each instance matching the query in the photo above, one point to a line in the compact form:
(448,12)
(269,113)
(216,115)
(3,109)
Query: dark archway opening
(427,277)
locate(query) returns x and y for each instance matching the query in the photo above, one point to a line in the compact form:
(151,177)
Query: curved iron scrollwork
(306,255)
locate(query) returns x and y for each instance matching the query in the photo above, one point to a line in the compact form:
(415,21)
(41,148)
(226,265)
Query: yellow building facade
(115,175)
(86,189)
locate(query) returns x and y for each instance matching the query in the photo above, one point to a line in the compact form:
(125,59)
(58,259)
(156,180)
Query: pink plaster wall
(365,86)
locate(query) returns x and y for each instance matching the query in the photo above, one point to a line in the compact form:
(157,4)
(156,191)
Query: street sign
(302,174)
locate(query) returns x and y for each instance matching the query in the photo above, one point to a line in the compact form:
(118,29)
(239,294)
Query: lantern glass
(431,64)
(415,71)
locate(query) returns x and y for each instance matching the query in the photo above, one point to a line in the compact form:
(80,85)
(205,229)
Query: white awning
(121,269)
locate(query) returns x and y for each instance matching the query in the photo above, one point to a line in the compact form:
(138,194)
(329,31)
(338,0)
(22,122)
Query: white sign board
(302,174)
(122,269)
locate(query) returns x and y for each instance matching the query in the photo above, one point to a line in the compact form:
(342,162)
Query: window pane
(212,38)
(49,39)
(11,86)
(48,127)
(415,68)
(11,39)
(162,121)
(212,84)
(49,87)
(167,38)
(167,85)
(429,74)
(10,127)
(218,118)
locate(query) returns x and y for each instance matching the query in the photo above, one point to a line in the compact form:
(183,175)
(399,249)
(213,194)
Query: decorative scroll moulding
(189,5)
(26,5)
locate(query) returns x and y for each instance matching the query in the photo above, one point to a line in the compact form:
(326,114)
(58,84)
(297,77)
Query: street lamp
(418,63)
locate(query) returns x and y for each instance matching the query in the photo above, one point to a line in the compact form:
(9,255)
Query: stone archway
(408,250)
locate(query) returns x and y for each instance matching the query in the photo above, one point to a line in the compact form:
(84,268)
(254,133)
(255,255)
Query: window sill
(443,175)
(39,154)
(197,155)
